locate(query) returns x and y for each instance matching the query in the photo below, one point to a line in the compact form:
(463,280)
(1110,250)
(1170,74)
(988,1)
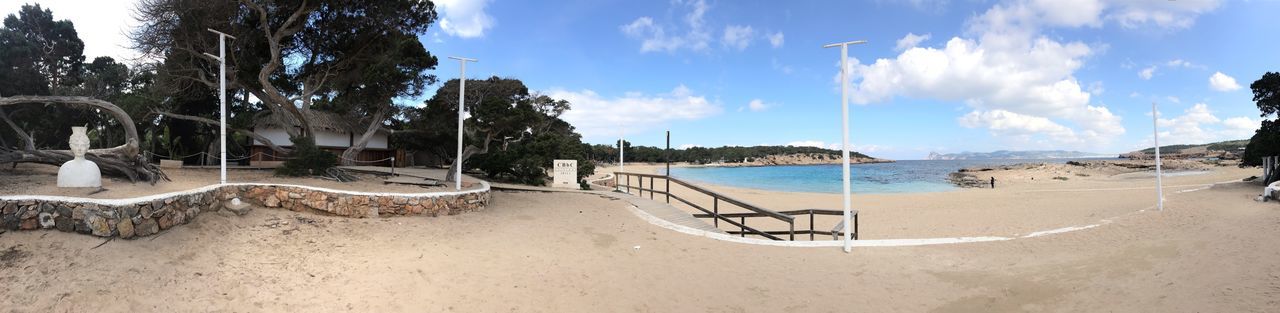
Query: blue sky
(944,76)
(984,75)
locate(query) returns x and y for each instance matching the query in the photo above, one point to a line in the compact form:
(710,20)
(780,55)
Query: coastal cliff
(803,159)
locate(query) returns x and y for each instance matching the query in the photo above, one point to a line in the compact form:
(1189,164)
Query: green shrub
(308,159)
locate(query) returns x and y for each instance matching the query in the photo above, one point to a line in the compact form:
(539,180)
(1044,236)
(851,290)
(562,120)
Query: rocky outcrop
(967,180)
(138,218)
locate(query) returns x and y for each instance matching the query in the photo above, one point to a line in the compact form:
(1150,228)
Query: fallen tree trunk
(122,161)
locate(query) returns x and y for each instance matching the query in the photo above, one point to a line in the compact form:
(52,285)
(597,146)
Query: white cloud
(1198,125)
(1005,123)
(785,69)
(687,146)
(737,36)
(1221,82)
(1240,127)
(1164,14)
(836,146)
(1146,73)
(655,37)
(807,143)
(757,105)
(692,32)
(102,25)
(464,18)
(1096,89)
(1179,63)
(1174,99)
(776,40)
(911,40)
(596,116)
(1018,82)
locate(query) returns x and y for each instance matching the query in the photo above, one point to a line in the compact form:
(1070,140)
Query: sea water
(897,177)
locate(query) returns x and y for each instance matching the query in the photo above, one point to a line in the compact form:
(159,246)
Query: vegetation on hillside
(701,155)
(1230,146)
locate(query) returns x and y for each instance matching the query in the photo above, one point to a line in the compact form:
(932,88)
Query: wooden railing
(623,181)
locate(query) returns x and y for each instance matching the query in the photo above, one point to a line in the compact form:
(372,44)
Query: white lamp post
(462,92)
(844,147)
(1155,126)
(622,143)
(222,100)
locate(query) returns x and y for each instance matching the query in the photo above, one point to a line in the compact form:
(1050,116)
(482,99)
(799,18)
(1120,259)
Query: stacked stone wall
(138,217)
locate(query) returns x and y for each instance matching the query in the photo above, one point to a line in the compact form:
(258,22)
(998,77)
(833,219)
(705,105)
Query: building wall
(276,135)
(378,141)
(323,139)
(332,139)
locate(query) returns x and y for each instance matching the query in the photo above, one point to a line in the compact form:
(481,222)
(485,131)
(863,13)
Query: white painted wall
(378,141)
(276,135)
(332,139)
(323,138)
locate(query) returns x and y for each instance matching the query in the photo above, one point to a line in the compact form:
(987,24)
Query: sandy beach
(1020,205)
(1210,251)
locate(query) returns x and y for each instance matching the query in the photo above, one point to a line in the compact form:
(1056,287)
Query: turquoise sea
(897,177)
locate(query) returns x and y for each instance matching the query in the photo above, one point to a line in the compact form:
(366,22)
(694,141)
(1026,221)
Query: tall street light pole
(222,100)
(1155,127)
(462,93)
(844,148)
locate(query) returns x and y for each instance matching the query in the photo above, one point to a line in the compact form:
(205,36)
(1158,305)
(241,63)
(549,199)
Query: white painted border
(656,221)
(484,187)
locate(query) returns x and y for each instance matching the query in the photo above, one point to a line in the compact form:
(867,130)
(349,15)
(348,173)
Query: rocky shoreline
(969,178)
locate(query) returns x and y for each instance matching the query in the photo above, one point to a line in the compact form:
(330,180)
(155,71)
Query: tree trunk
(468,152)
(29,143)
(123,160)
(349,155)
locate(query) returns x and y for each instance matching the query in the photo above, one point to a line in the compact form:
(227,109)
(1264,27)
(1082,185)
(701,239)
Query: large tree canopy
(346,56)
(46,53)
(524,128)
(1266,141)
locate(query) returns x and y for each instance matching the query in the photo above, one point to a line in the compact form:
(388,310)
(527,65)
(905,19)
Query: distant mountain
(1013,155)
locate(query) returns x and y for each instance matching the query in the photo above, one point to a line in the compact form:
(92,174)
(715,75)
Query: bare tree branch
(242,131)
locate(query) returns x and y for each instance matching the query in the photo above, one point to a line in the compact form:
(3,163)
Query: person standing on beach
(993,182)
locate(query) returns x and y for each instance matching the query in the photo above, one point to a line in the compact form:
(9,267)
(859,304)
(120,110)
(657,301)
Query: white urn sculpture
(79,172)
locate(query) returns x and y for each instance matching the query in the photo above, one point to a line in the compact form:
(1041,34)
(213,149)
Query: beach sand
(1211,250)
(1018,206)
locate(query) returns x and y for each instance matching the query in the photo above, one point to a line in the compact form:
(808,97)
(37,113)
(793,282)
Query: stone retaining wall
(137,217)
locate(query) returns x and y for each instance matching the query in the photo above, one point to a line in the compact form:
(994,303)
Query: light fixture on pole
(222,100)
(1155,126)
(844,147)
(462,92)
(622,133)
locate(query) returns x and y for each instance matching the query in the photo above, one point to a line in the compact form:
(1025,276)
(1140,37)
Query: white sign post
(565,174)
(844,148)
